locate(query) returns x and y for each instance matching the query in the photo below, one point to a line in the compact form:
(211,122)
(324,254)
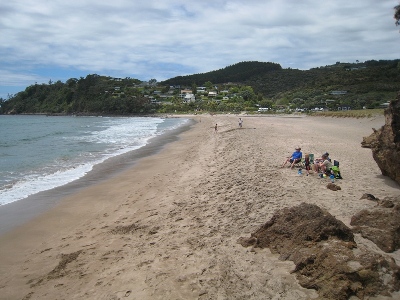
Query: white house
(338,92)
(189,98)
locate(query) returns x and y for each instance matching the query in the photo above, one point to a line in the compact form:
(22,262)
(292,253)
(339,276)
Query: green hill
(239,72)
(364,84)
(246,85)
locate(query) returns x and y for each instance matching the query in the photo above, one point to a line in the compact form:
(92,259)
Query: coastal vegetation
(362,113)
(245,86)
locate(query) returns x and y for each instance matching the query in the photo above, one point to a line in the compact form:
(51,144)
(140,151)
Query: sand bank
(167,227)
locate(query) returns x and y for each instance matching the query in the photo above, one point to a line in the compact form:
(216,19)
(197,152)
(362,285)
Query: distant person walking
(216,127)
(240,122)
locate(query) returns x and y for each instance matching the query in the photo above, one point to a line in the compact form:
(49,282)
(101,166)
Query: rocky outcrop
(321,248)
(380,224)
(385,142)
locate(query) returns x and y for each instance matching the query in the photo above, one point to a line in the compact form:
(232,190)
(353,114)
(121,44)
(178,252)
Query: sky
(43,40)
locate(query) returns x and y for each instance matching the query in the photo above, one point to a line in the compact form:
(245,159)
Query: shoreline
(19,212)
(167,227)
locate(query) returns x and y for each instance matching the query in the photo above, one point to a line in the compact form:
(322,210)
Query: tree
(247,92)
(266,103)
(165,89)
(153,82)
(71,82)
(397,14)
(1,103)
(208,85)
(194,88)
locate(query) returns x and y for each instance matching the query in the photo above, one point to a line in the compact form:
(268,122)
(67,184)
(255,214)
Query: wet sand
(19,212)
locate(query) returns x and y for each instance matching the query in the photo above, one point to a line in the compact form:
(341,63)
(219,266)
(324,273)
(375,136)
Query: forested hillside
(243,86)
(91,95)
(239,72)
(361,78)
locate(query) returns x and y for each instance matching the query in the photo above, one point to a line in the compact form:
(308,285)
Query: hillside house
(186,92)
(338,92)
(384,105)
(189,98)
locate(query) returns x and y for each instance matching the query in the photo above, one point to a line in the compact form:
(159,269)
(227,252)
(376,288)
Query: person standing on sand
(240,122)
(216,127)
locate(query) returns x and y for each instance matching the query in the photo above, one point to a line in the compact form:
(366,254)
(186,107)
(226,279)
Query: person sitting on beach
(323,166)
(294,159)
(321,159)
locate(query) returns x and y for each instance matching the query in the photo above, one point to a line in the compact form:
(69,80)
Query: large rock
(325,255)
(385,142)
(380,224)
(300,226)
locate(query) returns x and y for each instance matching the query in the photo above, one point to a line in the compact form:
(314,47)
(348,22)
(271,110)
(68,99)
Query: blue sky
(42,40)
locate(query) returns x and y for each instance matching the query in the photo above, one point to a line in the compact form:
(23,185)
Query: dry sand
(168,227)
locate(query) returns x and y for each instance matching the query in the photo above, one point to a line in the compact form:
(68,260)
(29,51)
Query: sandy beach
(167,228)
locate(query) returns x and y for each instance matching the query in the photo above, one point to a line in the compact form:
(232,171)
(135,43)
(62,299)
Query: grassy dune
(362,113)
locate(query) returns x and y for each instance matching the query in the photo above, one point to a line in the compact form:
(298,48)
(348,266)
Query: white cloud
(161,39)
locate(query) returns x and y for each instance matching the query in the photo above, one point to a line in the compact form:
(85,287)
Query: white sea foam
(35,184)
(72,152)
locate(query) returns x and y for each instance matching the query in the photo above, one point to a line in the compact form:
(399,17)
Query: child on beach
(307,163)
(216,127)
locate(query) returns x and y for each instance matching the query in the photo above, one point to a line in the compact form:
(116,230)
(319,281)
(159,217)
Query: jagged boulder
(385,142)
(323,251)
(300,226)
(381,224)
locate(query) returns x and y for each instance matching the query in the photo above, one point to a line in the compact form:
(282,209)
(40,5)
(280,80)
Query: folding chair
(335,169)
(301,164)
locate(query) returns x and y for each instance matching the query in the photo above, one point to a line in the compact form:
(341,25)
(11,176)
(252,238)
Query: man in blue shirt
(295,158)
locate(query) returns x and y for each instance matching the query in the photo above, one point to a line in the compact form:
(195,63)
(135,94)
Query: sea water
(39,153)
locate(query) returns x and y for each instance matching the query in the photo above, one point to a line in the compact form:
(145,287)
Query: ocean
(40,153)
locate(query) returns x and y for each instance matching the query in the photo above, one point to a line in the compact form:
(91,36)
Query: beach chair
(335,170)
(301,164)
